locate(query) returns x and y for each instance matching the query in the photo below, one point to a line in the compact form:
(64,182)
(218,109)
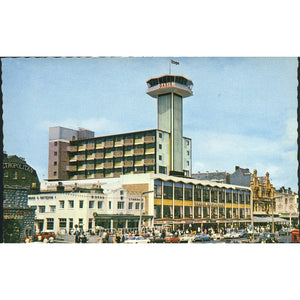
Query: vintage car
(137,240)
(156,239)
(186,238)
(172,239)
(201,237)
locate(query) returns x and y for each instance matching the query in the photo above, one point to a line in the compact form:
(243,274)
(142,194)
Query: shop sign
(17,166)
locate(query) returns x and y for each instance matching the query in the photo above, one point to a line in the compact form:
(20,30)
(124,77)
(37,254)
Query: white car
(137,240)
(186,238)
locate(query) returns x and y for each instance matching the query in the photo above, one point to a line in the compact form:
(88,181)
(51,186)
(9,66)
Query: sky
(243,111)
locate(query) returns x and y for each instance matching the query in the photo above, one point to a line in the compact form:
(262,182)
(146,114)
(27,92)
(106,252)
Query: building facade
(19,179)
(158,199)
(287,205)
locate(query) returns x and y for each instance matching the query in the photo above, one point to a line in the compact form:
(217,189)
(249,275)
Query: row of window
(180,212)
(15,175)
(120,205)
(181,191)
(62,222)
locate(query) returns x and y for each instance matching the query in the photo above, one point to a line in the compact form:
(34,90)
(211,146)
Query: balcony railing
(128,142)
(99,175)
(80,157)
(99,166)
(149,139)
(109,144)
(128,163)
(100,145)
(138,141)
(82,148)
(138,151)
(149,161)
(71,168)
(90,146)
(108,165)
(90,156)
(90,167)
(118,154)
(72,148)
(99,155)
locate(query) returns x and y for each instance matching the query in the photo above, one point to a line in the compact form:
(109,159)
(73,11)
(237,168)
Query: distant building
(19,179)
(241,177)
(222,177)
(287,205)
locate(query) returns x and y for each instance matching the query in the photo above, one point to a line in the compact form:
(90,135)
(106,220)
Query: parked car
(137,240)
(172,239)
(157,239)
(201,237)
(243,233)
(282,232)
(186,238)
(41,236)
(268,237)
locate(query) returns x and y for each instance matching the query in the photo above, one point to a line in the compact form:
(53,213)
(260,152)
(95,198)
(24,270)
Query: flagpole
(170,67)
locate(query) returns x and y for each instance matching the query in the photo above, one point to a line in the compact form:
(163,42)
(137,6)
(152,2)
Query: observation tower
(169,90)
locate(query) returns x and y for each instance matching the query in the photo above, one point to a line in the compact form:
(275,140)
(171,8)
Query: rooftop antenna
(174,62)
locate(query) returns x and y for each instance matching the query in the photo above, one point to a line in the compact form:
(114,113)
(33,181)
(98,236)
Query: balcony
(100,145)
(149,139)
(118,153)
(90,146)
(82,148)
(139,163)
(90,167)
(128,163)
(128,142)
(139,141)
(109,144)
(99,166)
(82,168)
(99,155)
(72,148)
(138,151)
(99,175)
(118,143)
(150,151)
(80,157)
(108,165)
(91,176)
(73,158)
(90,156)
(109,155)
(118,164)
(71,168)
(149,161)
(128,153)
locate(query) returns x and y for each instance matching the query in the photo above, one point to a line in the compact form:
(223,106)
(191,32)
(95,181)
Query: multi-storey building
(19,179)
(79,155)
(157,198)
(287,205)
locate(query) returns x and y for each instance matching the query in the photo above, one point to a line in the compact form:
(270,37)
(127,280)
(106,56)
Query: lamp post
(141,199)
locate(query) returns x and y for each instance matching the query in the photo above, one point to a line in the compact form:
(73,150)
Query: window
(62,223)
(90,223)
(137,205)
(55,153)
(157,188)
(23,176)
(160,146)
(5,173)
(109,205)
(50,223)
(130,205)
(15,175)
(162,170)
(55,163)
(61,203)
(142,206)
(120,205)
(188,163)
(160,157)
(187,142)
(52,208)
(42,209)
(71,203)
(80,222)
(71,223)
(122,192)
(55,173)
(55,143)
(91,204)
(81,204)
(188,153)
(160,135)
(100,204)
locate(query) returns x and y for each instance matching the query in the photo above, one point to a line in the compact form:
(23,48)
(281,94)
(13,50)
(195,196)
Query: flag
(174,62)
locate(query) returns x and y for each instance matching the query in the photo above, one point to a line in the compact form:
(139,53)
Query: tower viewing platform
(170,84)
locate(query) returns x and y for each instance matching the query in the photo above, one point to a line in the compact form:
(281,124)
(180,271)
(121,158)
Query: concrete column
(126,224)
(111,224)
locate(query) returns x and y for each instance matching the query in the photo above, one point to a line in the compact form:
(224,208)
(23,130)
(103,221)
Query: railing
(90,146)
(90,167)
(149,139)
(90,156)
(138,151)
(149,161)
(72,148)
(108,144)
(80,157)
(99,155)
(82,148)
(71,168)
(108,165)
(128,163)
(118,153)
(100,145)
(128,142)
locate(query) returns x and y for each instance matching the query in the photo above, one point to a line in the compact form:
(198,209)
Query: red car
(172,239)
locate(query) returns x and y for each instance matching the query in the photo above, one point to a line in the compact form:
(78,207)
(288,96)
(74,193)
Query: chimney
(237,167)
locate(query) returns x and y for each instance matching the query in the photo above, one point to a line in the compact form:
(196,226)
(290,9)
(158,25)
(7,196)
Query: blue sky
(243,111)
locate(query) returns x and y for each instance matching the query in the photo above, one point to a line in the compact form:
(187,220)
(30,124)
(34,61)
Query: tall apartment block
(77,154)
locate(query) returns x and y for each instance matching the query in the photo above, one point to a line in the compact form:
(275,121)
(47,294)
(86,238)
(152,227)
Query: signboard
(11,165)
